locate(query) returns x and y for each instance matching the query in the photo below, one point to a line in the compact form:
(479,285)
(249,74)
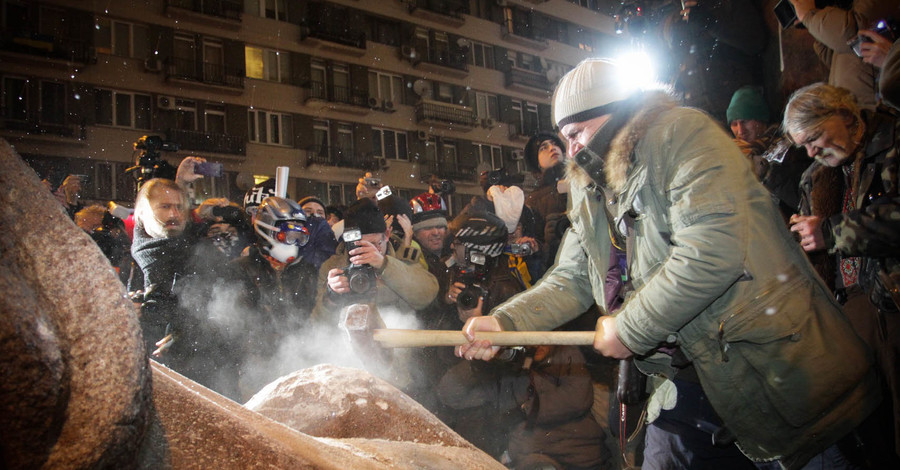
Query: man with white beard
(851,209)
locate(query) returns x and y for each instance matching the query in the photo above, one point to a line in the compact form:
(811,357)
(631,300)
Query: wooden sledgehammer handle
(391,338)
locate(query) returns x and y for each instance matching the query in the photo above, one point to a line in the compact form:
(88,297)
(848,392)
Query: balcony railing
(518,129)
(204,72)
(451,8)
(38,128)
(230,9)
(50,47)
(454,60)
(444,113)
(523,30)
(217,143)
(450,170)
(343,36)
(340,157)
(339,94)
(528,79)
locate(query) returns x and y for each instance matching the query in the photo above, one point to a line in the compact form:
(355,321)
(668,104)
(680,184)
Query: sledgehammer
(362,325)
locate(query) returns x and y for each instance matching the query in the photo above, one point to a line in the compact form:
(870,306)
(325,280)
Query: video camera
(149,160)
(500,177)
(474,275)
(443,187)
(361,276)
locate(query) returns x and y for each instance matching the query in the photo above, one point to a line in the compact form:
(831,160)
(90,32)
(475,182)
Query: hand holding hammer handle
(391,338)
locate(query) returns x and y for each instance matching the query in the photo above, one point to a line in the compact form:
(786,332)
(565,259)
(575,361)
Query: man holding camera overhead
(835,29)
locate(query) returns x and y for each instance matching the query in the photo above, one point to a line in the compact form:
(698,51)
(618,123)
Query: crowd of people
(753,277)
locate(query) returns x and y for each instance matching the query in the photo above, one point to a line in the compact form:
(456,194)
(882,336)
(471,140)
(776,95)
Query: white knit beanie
(585,90)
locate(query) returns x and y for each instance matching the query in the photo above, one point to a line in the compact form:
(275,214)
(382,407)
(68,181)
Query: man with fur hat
(727,313)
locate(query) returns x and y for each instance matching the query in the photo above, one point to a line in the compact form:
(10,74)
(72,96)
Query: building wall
(68,52)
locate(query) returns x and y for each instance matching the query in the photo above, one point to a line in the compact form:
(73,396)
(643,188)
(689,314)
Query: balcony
(528,81)
(43,47)
(336,39)
(339,98)
(523,131)
(445,115)
(34,129)
(343,158)
(448,12)
(187,71)
(524,35)
(437,60)
(215,143)
(225,13)
(451,170)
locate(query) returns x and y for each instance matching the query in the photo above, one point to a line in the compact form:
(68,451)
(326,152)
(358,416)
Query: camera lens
(468,298)
(360,283)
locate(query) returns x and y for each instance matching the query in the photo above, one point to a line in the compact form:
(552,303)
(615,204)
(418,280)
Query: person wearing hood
(748,352)
(545,155)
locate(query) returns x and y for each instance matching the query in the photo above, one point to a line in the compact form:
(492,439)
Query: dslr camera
(361,276)
(474,275)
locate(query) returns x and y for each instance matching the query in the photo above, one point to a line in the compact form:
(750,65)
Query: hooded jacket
(715,273)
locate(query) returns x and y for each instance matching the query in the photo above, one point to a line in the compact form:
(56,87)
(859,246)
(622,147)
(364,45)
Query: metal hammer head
(360,321)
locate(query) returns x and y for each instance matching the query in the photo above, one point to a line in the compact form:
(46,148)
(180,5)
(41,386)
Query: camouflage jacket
(872,230)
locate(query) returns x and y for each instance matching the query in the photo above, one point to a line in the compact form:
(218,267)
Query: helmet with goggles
(281,226)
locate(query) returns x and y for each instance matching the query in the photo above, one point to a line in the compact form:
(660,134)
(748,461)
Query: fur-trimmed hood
(617,153)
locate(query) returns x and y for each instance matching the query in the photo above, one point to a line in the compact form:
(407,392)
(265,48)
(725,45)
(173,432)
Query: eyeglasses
(292,233)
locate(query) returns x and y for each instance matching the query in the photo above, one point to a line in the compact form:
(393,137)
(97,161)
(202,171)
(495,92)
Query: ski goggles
(292,233)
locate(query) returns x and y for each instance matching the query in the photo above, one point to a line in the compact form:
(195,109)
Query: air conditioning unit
(373,102)
(488,123)
(153,65)
(409,53)
(517,155)
(389,106)
(422,135)
(165,102)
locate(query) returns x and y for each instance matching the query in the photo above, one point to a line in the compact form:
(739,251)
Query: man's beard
(832,157)
(159,229)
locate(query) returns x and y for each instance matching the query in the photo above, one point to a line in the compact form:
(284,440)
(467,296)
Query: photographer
(482,409)
(108,232)
(834,28)
(405,286)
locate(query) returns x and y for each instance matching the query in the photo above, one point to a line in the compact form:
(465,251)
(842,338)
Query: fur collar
(617,154)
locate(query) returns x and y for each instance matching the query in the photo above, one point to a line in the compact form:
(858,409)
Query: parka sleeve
(561,295)
(834,26)
(871,232)
(410,281)
(889,80)
(707,206)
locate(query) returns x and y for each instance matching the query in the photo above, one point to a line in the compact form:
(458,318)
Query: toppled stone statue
(77,390)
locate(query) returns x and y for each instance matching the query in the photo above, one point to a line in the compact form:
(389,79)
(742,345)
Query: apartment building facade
(331,89)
